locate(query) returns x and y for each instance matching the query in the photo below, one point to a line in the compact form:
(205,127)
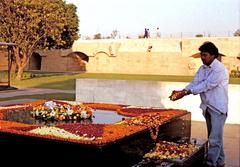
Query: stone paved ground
(231,141)
(231,133)
(31,91)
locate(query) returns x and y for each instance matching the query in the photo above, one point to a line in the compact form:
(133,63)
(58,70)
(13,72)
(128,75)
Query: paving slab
(31,91)
(18,101)
(231,140)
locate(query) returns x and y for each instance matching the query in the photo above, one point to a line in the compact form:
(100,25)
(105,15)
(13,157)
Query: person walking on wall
(145,33)
(148,33)
(211,82)
(158,33)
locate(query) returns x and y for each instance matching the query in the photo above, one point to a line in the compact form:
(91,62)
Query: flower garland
(105,106)
(9,124)
(152,120)
(95,134)
(147,120)
(88,130)
(133,111)
(171,150)
(54,111)
(152,134)
(58,132)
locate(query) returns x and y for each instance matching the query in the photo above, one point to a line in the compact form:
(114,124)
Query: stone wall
(154,56)
(3,59)
(164,56)
(60,61)
(3,66)
(140,63)
(229,46)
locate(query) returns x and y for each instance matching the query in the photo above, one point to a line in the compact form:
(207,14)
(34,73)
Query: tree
(33,24)
(70,33)
(71,28)
(97,36)
(199,35)
(114,34)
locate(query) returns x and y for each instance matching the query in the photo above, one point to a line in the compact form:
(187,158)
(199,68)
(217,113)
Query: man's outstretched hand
(178,94)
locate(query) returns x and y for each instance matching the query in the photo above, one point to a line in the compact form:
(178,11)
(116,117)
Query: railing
(153,34)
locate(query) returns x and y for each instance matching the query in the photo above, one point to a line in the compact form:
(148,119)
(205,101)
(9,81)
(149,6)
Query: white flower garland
(54,131)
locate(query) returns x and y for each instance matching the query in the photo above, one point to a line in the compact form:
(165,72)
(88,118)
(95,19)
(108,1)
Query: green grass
(58,96)
(234,81)
(64,82)
(67,81)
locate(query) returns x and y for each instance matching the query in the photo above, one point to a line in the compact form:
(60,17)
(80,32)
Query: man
(211,82)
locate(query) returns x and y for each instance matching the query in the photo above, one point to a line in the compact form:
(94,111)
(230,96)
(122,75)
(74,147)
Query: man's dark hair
(210,48)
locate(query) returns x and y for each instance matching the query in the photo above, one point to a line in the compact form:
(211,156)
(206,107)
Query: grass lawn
(67,81)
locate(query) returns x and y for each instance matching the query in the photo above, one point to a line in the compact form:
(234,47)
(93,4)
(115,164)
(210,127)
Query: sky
(130,17)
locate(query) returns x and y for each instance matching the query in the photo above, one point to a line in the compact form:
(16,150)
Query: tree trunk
(21,62)
(19,73)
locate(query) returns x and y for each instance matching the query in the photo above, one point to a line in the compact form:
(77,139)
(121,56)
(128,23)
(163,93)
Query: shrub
(235,74)
(26,75)
(198,35)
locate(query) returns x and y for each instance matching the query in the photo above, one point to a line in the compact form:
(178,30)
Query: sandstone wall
(60,61)
(3,59)
(141,63)
(154,56)
(229,46)
(164,56)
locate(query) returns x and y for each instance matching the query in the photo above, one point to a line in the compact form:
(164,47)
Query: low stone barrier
(150,94)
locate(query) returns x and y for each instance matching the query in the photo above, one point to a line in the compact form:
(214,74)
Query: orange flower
(104,106)
(143,118)
(36,103)
(9,124)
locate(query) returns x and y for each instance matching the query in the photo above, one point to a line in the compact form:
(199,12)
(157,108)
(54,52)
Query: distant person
(211,82)
(148,33)
(145,33)
(158,33)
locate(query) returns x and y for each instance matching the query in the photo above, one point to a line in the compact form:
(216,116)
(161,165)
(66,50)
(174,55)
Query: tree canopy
(70,33)
(33,24)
